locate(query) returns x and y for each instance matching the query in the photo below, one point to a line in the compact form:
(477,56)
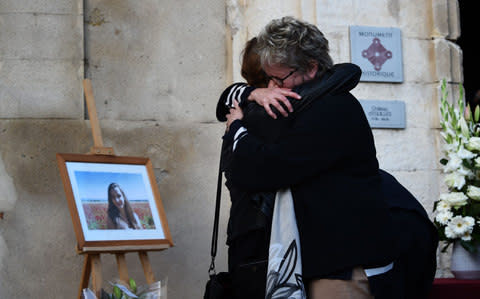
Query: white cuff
(379,270)
(239,135)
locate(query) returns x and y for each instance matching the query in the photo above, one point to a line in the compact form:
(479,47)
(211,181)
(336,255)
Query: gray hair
(293,43)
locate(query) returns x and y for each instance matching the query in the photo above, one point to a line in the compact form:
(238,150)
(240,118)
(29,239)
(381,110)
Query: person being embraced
(120,212)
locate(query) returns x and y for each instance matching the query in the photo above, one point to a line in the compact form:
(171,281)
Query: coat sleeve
(332,135)
(236,91)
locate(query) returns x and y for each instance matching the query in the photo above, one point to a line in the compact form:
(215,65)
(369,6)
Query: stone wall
(157,68)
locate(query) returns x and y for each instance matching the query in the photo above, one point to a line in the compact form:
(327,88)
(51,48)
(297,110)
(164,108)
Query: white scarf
(284,276)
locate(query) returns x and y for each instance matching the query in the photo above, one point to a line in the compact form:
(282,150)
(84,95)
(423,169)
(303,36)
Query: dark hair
(251,67)
(114,213)
(293,43)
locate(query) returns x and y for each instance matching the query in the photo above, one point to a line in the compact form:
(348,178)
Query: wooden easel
(92,265)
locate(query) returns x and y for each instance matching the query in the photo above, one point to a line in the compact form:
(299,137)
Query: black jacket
(325,152)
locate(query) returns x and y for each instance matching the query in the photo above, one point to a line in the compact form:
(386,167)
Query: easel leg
(122,267)
(87,269)
(96,274)
(147,268)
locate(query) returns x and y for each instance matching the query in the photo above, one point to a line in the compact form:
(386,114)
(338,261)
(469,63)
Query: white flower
(464,127)
(449,233)
(469,221)
(474,144)
(443,206)
(465,154)
(444,135)
(473,192)
(458,225)
(467,236)
(455,180)
(444,217)
(477,162)
(450,131)
(451,148)
(453,164)
(465,172)
(455,199)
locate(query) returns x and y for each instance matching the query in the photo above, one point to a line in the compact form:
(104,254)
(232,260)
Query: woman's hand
(274,96)
(235,113)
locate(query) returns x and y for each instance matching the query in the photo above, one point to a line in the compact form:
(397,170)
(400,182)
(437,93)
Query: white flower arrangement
(457,213)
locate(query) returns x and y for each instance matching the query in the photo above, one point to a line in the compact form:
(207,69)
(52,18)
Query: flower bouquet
(457,212)
(156,290)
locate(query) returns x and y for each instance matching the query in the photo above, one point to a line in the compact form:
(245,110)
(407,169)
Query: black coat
(418,239)
(325,153)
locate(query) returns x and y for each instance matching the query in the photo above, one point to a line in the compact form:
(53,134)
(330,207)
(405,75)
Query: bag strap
(213,252)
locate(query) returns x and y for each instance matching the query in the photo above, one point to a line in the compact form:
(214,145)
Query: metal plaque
(378,52)
(384,114)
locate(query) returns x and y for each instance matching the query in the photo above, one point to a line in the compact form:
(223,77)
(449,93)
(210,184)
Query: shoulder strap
(213,251)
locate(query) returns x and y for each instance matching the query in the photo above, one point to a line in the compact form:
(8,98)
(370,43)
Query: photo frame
(114,203)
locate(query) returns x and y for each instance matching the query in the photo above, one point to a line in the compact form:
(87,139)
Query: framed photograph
(114,203)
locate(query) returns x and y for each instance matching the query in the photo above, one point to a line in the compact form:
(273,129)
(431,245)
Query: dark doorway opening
(469,42)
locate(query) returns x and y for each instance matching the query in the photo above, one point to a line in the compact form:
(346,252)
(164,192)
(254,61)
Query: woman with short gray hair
(294,43)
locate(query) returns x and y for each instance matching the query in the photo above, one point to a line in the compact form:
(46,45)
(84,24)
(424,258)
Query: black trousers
(413,272)
(247,263)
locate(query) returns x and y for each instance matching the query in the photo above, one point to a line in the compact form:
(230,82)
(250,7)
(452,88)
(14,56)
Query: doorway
(469,44)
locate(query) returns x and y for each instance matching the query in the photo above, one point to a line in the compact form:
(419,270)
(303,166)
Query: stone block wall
(157,68)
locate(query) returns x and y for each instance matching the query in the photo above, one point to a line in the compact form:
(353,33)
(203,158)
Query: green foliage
(117,293)
(133,285)
(93,225)
(147,222)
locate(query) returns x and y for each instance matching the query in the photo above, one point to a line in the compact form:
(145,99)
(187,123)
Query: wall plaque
(378,52)
(384,114)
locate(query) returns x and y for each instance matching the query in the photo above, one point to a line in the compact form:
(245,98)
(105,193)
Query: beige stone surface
(338,41)
(9,195)
(453,20)
(7,203)
(42,6)
(148,63)
(34,88)
(446,19)
(448,60)
(407,15)
(39,233)
(41,36)
(440,25)
(417,57)
(41,59)
(407,150)
(3,251)
(335,13)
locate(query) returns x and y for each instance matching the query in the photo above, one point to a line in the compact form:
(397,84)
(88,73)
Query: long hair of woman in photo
(114,213)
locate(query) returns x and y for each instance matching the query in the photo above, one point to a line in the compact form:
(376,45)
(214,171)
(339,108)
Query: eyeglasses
(279,81)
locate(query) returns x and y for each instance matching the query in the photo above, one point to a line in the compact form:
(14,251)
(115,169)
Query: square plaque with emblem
(378,52)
